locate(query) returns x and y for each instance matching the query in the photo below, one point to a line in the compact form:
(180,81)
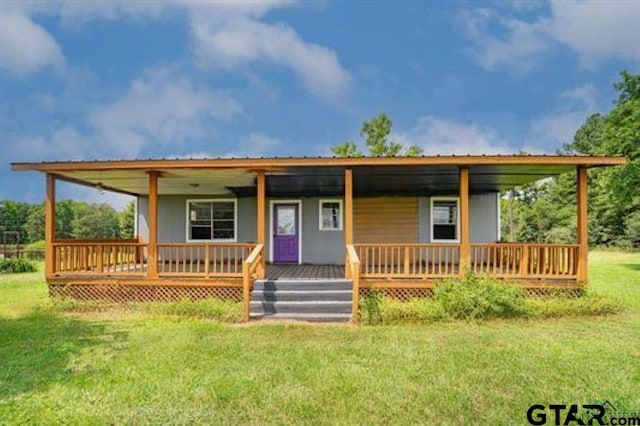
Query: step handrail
(352,270)
(254,263)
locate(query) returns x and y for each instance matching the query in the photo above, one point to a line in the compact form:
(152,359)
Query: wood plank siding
(385,220)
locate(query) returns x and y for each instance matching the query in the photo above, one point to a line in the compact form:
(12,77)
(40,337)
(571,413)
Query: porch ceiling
(328,181)
(319,176)
(172,182)
(405,180)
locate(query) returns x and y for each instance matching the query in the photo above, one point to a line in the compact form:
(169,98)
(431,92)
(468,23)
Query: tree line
(546,212)
(74,220)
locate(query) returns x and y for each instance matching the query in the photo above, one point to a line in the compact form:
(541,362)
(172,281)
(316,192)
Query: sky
(123,79)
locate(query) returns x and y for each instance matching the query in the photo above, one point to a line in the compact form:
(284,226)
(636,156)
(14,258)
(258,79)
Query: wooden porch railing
(516,260)
(202,260)
(252,268)
(75,257)
(352,270)
(407,260)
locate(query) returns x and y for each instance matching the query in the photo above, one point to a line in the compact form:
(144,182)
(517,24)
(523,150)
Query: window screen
(212,220)
(445,220)
(330,215)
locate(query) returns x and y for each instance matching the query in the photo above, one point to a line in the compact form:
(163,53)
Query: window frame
(434,200)
(340,216)
(211,200)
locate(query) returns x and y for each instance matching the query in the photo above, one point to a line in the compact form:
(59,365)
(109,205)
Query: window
(211,220)
(330,215)
(444,219)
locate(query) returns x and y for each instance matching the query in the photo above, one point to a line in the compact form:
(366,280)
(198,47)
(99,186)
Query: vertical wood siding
(385,220)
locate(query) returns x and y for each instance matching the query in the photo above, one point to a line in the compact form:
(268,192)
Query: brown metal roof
(268,162)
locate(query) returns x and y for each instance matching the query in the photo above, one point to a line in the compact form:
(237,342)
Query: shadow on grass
(632,266)
(39,350)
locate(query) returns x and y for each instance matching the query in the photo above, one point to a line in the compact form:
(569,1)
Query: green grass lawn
(134,367)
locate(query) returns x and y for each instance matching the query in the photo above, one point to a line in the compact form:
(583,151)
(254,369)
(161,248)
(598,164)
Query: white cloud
(26,47)
(65,142)
(594,29)
(598,29)
(558,126)
(159,108)
(225,35)
(255,145)
(240,42)
(78,12)
(163,108)
(517,50)
(438,135)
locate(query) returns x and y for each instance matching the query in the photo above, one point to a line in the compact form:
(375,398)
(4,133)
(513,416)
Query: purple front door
(285,233)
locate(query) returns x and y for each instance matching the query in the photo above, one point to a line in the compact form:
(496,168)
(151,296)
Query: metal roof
(288,176)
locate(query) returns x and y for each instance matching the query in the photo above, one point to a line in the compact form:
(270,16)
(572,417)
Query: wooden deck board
(304,271)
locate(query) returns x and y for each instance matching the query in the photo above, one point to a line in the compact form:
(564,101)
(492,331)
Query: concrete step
(297,307)
(302,317)
(302,285)
(301,295)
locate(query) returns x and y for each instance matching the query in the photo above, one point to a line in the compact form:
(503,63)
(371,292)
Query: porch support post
(465,248)
(348,206)
(152,256)
(50,225)
(261,217)
(583,239)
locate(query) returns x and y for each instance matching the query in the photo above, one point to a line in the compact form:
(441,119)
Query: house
(243,227)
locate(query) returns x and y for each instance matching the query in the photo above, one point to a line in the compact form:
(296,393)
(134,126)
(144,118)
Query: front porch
(376,217)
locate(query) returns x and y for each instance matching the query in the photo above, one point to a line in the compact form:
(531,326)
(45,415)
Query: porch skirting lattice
(406,293)
(143,293)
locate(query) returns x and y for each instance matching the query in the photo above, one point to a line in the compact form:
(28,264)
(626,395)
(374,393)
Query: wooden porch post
(348,206)
(260,218)
(465,248)
(583,239)
(152,257)
(354,275)
(50,225)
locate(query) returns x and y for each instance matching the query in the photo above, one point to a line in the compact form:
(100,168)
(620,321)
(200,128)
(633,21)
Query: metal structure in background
(11,244)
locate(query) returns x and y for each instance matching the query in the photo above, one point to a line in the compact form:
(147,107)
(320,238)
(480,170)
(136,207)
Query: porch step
(302,300)
(303,317)
(301,296)
(303,285)
(296,307)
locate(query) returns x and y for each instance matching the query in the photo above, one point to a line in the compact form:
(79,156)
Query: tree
(65,213)
(95,221)
(34,225)
(126,221)
(13,217)
(376,133)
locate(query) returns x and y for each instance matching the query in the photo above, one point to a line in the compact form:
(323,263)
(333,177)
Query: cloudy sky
(181,78)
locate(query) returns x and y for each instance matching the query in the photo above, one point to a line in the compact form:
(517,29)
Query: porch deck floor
(304,271)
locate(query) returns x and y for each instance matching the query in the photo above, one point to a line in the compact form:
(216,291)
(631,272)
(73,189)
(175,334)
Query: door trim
(272,204)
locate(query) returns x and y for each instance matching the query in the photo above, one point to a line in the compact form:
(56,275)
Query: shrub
(370,311)
(36,245)
(17,266)
(476,297)
(588,303)
(412,311)
(35,250)
(212,308)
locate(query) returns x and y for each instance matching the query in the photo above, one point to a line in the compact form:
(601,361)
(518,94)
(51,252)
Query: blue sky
(166,78)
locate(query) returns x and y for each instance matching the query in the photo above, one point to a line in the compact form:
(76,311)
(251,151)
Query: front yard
(116,366)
